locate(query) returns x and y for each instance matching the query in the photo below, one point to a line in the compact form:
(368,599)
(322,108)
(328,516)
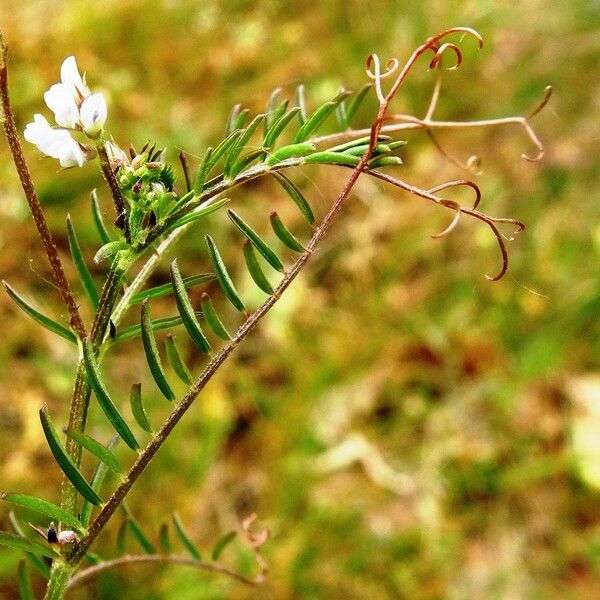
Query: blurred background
(404,427)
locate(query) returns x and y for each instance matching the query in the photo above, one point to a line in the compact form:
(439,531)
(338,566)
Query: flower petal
(92,114)
(56,143)
(61,102)
(69,75)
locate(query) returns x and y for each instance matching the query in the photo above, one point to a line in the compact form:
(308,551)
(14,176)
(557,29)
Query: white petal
(61,102)
(93,113)
(70,154)
(37,131)
(69,75)
(56,143)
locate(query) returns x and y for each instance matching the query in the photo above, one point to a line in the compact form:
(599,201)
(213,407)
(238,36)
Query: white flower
(72,103)
(92,114)
(56,143)
(74,107)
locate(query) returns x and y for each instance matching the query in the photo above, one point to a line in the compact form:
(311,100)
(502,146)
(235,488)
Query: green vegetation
(404,427)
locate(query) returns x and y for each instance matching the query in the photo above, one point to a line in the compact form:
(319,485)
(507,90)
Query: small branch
(122,222)
(211,368)
(123,561)
(10,129)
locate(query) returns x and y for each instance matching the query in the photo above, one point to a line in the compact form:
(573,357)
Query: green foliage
(43,320)
(103,397)
(184,538)
(65,462)
(84,274)
(137,407)
(43,507)
(414,410)
(19,543)
(188,316)
(152,355)
(262,246)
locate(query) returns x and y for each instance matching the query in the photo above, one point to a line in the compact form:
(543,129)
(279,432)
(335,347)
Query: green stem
(81,390)
(59,581)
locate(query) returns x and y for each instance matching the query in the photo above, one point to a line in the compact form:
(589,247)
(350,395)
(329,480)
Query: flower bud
(92,114)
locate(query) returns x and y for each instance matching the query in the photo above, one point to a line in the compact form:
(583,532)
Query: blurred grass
(467,392)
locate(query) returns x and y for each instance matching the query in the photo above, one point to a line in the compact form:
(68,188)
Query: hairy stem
(162,434)
(122,222)
(10,129)
(59,581)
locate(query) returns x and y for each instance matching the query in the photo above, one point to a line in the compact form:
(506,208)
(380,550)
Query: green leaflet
(384,161)
(25,589)
(255,269)
(245,160)
(272,110)
(107,405)
(332,158)
(152,355)
(284,234)
(295,194)
(121,536)
(257,241)
(196,214)
(185,540)
(290,151)
(356,102)
(223,276)
(137,531)
(361,149)
(222,544)
(84,274)
(36,561)
(278,126)
(241,119)
(134,331)
(109,250)
(64,461)
(98,220)
(202,173)
(39,317)
(212,318)
(98,478)
(340,110)
(232,119)
(223,148)
(301,103)
(231,164)
(43,507)
(20,543)
(346,146)
(182,201)
(164,541)
(176,360)
(167,289)
(184,306)
(97,449)
(316,119)
(137,407)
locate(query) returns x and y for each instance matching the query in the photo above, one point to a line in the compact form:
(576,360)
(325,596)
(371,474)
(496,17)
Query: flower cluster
(75,108)
(146,182)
